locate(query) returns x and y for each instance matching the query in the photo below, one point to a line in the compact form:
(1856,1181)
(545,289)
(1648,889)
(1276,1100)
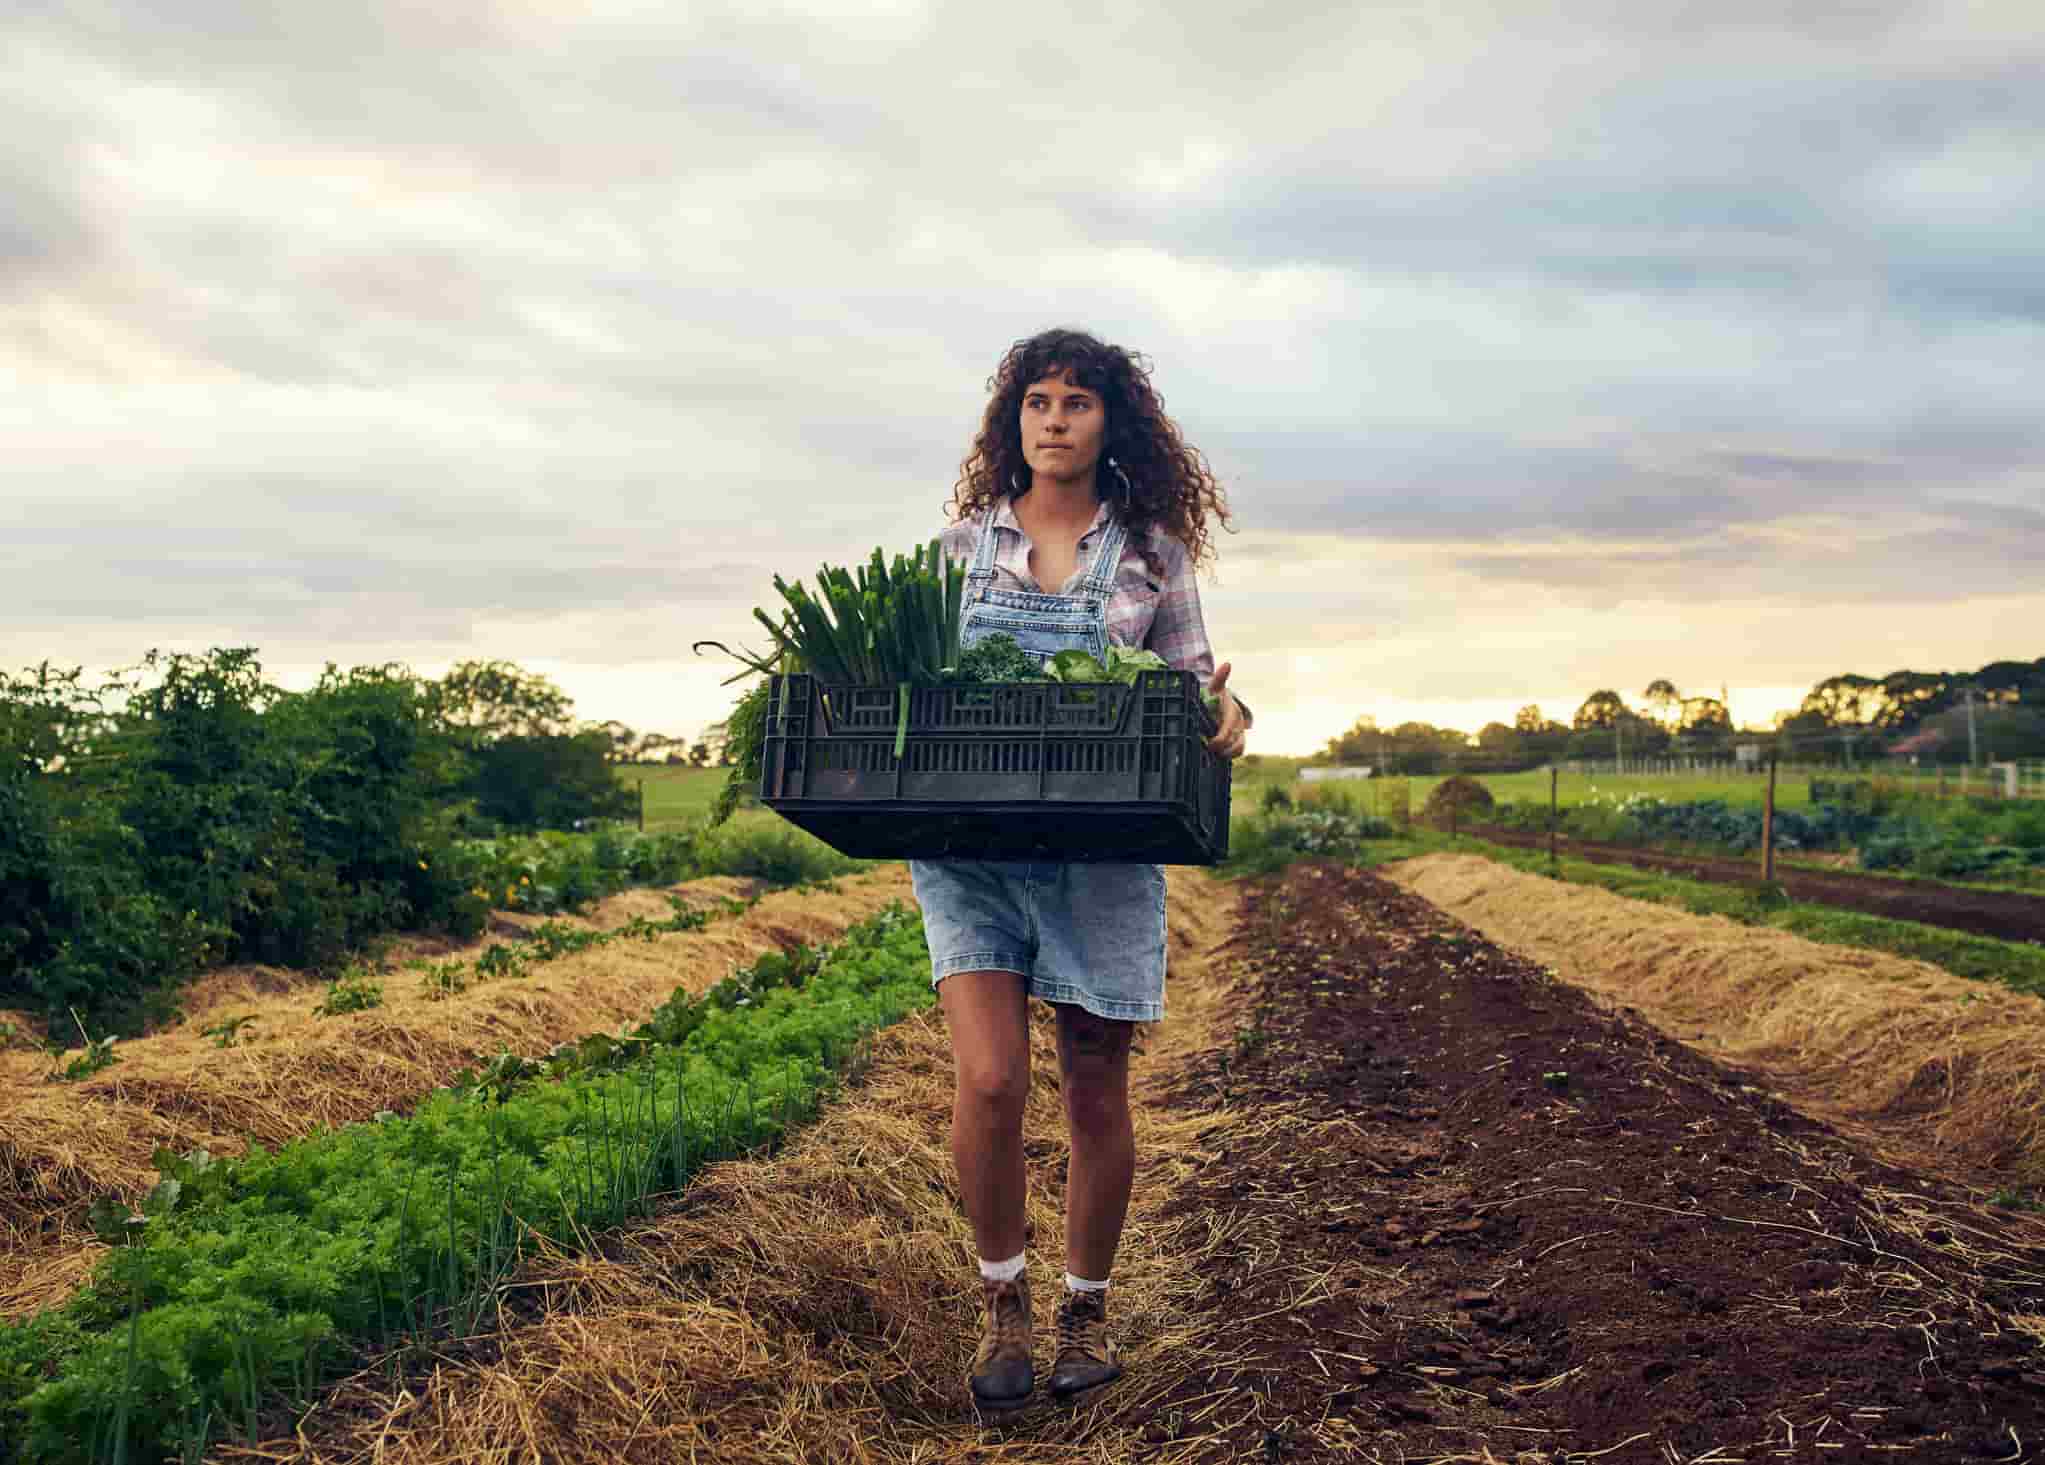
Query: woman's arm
(1178,631)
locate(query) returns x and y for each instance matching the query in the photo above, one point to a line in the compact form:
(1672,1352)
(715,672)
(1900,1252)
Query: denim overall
(1088,934)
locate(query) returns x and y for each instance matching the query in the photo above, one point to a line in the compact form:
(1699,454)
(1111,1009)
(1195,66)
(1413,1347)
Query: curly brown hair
(1171,487)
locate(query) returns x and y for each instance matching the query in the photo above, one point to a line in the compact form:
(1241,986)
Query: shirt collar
(1004,517)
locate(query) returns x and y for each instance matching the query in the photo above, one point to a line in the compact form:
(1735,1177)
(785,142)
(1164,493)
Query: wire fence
(2017,779)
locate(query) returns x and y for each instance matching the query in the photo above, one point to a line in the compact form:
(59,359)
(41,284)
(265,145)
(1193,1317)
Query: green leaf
(1075,666)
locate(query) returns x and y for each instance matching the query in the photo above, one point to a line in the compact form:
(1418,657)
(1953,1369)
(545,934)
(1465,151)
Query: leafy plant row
(1955,844)
(555,871)
(264,1273)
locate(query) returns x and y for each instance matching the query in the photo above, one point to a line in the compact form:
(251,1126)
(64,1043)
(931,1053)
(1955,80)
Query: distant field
(1792,790)
(674,796)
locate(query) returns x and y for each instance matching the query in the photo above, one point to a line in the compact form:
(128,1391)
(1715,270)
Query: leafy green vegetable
(995,658)
(1075,666)
(1124,662)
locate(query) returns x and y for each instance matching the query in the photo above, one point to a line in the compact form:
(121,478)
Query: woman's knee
(993,1080)
(1093,1059)
(990,1038)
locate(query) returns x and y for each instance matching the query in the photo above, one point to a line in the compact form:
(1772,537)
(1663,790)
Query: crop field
(1450,1163)
(1792,790)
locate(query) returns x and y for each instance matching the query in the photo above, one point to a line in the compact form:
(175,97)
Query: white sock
(1080,1284)
(1006,1271)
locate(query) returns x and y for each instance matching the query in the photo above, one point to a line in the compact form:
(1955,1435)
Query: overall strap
(983,547)
(1100,575)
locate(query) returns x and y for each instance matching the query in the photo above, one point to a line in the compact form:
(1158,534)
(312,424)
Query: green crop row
(558,871)
(261,1275)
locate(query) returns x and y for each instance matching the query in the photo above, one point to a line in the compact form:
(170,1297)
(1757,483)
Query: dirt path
(818,1305)
(1932,1069)
(2009,915)
(1482,1219)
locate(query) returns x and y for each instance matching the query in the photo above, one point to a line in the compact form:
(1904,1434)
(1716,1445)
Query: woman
(1083,517)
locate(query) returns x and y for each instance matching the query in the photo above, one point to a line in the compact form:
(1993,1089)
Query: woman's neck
(1058,503)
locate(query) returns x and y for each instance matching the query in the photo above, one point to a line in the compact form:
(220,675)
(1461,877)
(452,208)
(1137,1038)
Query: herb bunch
(892,621)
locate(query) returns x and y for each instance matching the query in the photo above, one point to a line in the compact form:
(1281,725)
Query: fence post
(1768,827)
(1552,775)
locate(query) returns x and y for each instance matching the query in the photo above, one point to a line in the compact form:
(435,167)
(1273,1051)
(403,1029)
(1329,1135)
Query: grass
(677,796)
(2019,966)
(1792,789)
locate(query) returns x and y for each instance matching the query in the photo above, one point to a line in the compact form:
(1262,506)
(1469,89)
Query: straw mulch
(63,1144)
(1932,1068)
(821,1304)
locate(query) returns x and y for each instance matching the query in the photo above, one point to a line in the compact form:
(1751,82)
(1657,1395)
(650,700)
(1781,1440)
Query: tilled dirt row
(2010,915)
(1477,1218)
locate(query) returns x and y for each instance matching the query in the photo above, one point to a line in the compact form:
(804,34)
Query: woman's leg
(1093,1056)
(987,1014)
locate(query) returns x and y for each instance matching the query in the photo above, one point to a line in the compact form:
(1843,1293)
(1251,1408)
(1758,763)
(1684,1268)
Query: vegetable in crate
(995,658)
(894,622)
(1122,666)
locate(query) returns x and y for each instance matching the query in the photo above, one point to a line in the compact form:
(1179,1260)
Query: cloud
(514,329)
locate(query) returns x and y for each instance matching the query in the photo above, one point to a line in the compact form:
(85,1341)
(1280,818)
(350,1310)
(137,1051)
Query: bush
(548,782)
(215,817)
(1459,793)
(779,853)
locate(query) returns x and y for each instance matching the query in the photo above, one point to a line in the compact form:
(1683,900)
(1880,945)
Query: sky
(1540,347)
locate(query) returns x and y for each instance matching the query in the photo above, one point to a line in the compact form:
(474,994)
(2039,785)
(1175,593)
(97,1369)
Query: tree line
(1995,712)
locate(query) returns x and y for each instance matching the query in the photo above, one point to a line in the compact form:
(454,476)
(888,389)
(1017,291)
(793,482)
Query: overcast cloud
(1541,346)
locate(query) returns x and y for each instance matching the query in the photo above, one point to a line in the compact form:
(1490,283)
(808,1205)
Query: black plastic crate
(1001,770)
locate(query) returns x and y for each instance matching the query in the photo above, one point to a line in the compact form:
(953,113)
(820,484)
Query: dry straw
(63,1144)
(1933,1067)
(820,1305)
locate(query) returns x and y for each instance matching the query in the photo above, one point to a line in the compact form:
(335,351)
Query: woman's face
(1063,428)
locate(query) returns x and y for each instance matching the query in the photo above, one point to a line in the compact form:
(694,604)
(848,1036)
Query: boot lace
(1081,1321)
(1008,1328)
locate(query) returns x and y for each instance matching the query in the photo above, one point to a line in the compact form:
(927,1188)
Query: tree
(1667,703)
(550,782)
(1500,741)
(1363,743)
(482,701)
(699,755)
(621,740)
(1705,728)
(1602,709)
(1909,697)
(1845,701)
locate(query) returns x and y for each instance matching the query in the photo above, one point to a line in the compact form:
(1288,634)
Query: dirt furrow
(2010,915)
(1480,1218)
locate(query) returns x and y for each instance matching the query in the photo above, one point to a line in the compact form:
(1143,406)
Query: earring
(1128,494)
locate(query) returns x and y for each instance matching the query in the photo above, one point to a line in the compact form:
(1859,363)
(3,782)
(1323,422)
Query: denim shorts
(1085,934)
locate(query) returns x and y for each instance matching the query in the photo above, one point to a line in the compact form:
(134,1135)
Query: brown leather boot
(1087,1356)
(1003,1370)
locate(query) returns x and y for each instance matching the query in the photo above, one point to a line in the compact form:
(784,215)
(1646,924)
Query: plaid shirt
(1162,615)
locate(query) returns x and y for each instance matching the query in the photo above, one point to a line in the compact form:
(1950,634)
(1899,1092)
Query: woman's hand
(1228,741)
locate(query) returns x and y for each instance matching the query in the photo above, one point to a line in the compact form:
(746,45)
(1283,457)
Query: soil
(1493,1222)
(2010,915)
